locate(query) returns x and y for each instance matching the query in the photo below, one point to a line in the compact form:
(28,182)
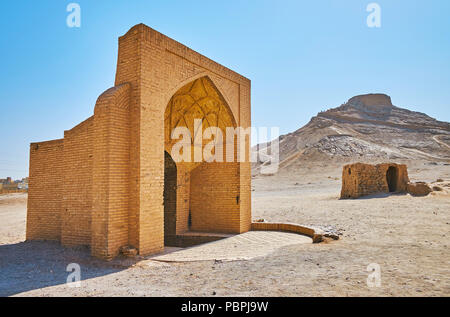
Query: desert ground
(408,237)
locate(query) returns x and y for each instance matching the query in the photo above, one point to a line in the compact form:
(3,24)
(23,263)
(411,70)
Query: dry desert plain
(408,237)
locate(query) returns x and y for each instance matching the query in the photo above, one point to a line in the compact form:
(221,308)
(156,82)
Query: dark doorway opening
(170,198)
(391,177)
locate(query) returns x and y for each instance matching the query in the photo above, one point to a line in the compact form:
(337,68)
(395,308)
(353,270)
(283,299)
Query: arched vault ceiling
(199,99)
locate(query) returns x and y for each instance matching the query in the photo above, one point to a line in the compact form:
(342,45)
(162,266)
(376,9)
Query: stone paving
(240,247)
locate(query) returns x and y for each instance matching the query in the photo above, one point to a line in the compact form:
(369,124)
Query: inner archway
(170,198)
(207,191)
(391,177)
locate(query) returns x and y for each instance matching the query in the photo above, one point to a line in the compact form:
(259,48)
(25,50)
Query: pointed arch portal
(207,192)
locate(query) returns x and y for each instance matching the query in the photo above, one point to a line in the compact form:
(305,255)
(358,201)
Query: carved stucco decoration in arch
(199,99)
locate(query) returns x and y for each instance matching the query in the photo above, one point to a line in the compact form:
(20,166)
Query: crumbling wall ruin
(364,179)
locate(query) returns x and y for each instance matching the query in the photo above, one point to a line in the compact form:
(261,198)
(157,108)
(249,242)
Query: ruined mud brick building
(111,181)
(364,179)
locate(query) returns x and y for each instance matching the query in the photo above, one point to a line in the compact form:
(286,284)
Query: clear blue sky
(302,57)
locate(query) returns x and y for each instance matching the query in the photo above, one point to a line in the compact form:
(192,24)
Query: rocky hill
(366,128)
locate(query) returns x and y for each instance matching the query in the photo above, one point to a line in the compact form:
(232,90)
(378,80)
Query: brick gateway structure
(364,179)
(111,181)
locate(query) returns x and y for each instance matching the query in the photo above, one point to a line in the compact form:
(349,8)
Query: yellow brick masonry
(102,185)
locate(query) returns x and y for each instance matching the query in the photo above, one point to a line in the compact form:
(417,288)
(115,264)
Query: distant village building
(7,185)
(6,181)
(364,179)
(22,185)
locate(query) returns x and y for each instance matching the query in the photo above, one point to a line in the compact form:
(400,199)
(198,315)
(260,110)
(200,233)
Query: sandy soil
(13,214)
(407,236)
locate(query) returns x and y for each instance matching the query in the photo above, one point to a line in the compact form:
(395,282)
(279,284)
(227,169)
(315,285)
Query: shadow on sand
(33,265)
(381,195)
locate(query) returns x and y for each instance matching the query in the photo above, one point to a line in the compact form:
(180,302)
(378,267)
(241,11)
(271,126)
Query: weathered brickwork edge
(315,234)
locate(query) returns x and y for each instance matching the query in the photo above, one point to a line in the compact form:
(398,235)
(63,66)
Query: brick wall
(45,190)
(111,173)
(183,198)
(215,198)
(77,185)
(129,72)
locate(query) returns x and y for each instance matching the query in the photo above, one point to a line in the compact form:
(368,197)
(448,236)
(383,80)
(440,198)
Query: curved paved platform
(240,247)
